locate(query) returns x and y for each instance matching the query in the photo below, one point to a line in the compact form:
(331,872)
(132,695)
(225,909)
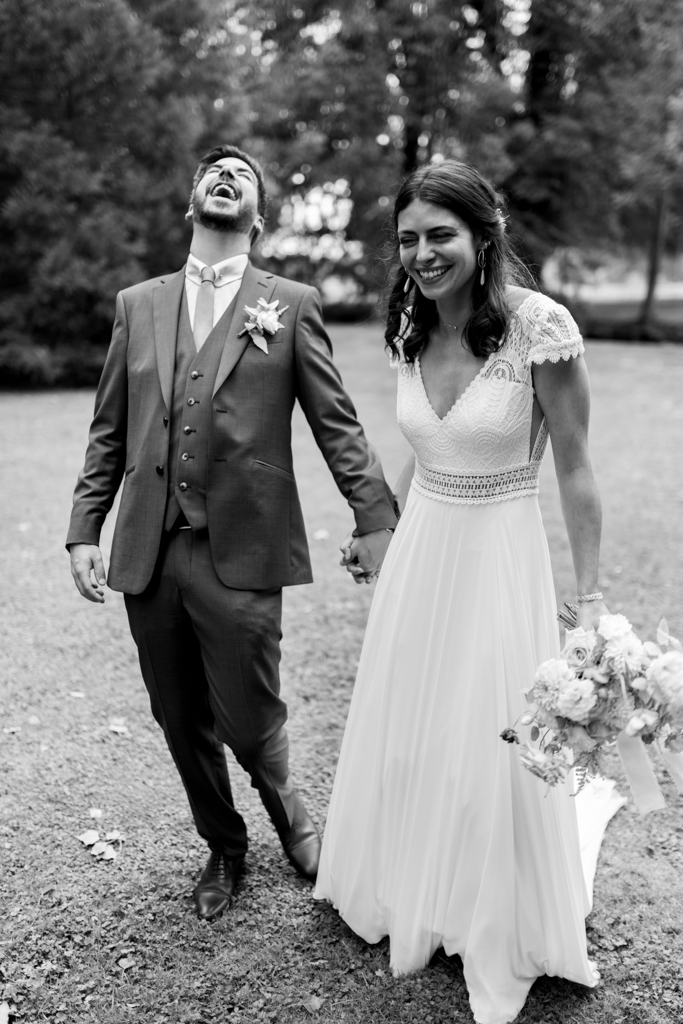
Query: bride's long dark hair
(460,188)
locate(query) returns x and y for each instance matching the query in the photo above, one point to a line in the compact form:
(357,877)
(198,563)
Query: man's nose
(226,172)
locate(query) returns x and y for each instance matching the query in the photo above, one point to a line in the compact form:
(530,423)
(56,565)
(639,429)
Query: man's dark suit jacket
(256,528)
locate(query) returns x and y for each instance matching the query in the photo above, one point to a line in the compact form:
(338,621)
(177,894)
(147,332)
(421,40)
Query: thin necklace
(454,327)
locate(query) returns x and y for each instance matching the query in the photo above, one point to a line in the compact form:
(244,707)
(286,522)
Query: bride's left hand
(588,615)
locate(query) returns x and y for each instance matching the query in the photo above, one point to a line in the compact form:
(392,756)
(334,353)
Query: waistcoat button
(183,487)
(184,456)
(194,375)
(190,401)
(160,470)
(187,430)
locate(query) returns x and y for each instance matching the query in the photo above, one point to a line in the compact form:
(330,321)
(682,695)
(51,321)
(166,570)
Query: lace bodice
(480,450)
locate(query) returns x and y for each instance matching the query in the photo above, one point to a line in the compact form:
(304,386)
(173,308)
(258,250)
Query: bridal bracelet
(586,598)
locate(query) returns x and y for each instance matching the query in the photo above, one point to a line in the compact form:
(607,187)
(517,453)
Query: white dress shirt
(229,275)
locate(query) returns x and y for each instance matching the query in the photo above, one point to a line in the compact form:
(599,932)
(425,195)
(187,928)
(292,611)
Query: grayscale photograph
(341,577)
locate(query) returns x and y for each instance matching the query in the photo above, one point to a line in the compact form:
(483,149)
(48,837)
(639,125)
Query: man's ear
(190,212)
(257,230)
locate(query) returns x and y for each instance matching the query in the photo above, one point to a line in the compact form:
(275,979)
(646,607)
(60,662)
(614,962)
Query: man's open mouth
(224,190)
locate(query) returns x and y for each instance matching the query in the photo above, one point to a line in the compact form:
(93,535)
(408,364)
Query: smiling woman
(450,224)
(435,836)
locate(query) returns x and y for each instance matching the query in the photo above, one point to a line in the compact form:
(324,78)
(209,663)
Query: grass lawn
(86,940)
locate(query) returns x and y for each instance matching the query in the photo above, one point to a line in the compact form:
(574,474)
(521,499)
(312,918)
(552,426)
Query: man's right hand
(87,569)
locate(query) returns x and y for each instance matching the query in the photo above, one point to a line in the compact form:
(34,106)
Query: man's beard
(239,221)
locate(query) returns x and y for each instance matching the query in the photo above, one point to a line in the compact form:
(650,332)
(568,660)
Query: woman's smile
(432,273)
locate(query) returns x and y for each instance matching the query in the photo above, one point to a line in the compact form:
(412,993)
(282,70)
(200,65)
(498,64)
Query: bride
(436,836)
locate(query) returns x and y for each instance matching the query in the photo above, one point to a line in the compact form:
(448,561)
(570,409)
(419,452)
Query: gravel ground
(87,940)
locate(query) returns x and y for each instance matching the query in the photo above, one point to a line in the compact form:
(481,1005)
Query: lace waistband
(477,488)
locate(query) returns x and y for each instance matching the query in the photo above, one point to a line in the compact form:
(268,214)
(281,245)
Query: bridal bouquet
(606,686)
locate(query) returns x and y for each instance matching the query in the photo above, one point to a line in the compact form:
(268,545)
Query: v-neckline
(456,403)
(475,379)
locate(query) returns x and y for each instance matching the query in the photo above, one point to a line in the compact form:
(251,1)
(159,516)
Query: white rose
(665,679)
(578,647)
(268,321)
(614,625)
(576,700)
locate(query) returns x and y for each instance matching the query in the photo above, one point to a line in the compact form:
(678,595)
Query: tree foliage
(102,113)
(573,107)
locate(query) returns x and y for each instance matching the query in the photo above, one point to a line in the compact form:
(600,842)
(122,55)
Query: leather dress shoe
(301,842)
(213,893)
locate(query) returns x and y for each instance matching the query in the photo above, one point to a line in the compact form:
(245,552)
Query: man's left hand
(363,556)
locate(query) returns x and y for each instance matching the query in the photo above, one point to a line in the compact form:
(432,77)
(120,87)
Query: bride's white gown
(435,835)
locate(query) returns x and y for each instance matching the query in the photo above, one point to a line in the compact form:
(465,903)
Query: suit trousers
(210,658)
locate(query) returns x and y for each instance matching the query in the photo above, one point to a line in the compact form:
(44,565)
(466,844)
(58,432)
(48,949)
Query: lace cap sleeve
(553,332)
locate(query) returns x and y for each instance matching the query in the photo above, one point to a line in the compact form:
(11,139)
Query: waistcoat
(193,381)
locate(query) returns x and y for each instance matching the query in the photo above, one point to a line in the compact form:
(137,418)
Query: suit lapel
(256,284)
(167,297)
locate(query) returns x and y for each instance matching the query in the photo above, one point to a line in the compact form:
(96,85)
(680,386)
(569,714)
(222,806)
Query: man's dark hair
(218,153)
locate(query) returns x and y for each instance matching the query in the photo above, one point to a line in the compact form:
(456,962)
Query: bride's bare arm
(404,481)
(563,392)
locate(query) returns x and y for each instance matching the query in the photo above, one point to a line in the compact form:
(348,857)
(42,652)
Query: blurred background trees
(573,107)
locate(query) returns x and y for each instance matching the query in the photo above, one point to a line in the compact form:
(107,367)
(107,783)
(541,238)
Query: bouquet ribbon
(640,773)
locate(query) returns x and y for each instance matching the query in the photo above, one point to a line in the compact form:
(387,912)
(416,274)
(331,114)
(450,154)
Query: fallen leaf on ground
(117,725)
(313,1004)
(112,837)
(34,720)
(76,693)
(98,848)
(89,837)
(12,728)
(95,812)
(109,853)
(126,963)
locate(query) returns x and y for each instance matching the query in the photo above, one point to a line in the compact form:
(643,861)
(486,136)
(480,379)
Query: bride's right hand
(588,614)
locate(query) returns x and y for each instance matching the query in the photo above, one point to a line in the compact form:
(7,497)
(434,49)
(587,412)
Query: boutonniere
(264,318)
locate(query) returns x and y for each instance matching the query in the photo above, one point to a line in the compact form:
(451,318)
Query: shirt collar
(228,270)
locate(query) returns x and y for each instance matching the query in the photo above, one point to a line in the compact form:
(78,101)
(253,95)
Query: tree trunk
(655,254)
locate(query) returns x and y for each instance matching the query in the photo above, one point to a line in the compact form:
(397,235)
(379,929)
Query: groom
(193,412)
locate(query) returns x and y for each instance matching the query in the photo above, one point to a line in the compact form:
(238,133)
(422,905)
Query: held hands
(87,569)
(363,556)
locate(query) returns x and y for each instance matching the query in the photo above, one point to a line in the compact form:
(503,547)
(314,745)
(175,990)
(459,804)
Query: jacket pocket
(274,469)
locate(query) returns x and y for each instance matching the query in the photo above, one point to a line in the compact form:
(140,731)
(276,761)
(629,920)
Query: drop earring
(481,260)
(406,286)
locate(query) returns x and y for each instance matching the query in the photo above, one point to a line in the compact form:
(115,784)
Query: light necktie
(203,313)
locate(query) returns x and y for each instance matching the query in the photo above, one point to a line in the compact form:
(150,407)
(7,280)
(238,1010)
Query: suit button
(194,375)
(184,456)
(165,421)
(160,470)
(187,430)
(190,401)
(183,487)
